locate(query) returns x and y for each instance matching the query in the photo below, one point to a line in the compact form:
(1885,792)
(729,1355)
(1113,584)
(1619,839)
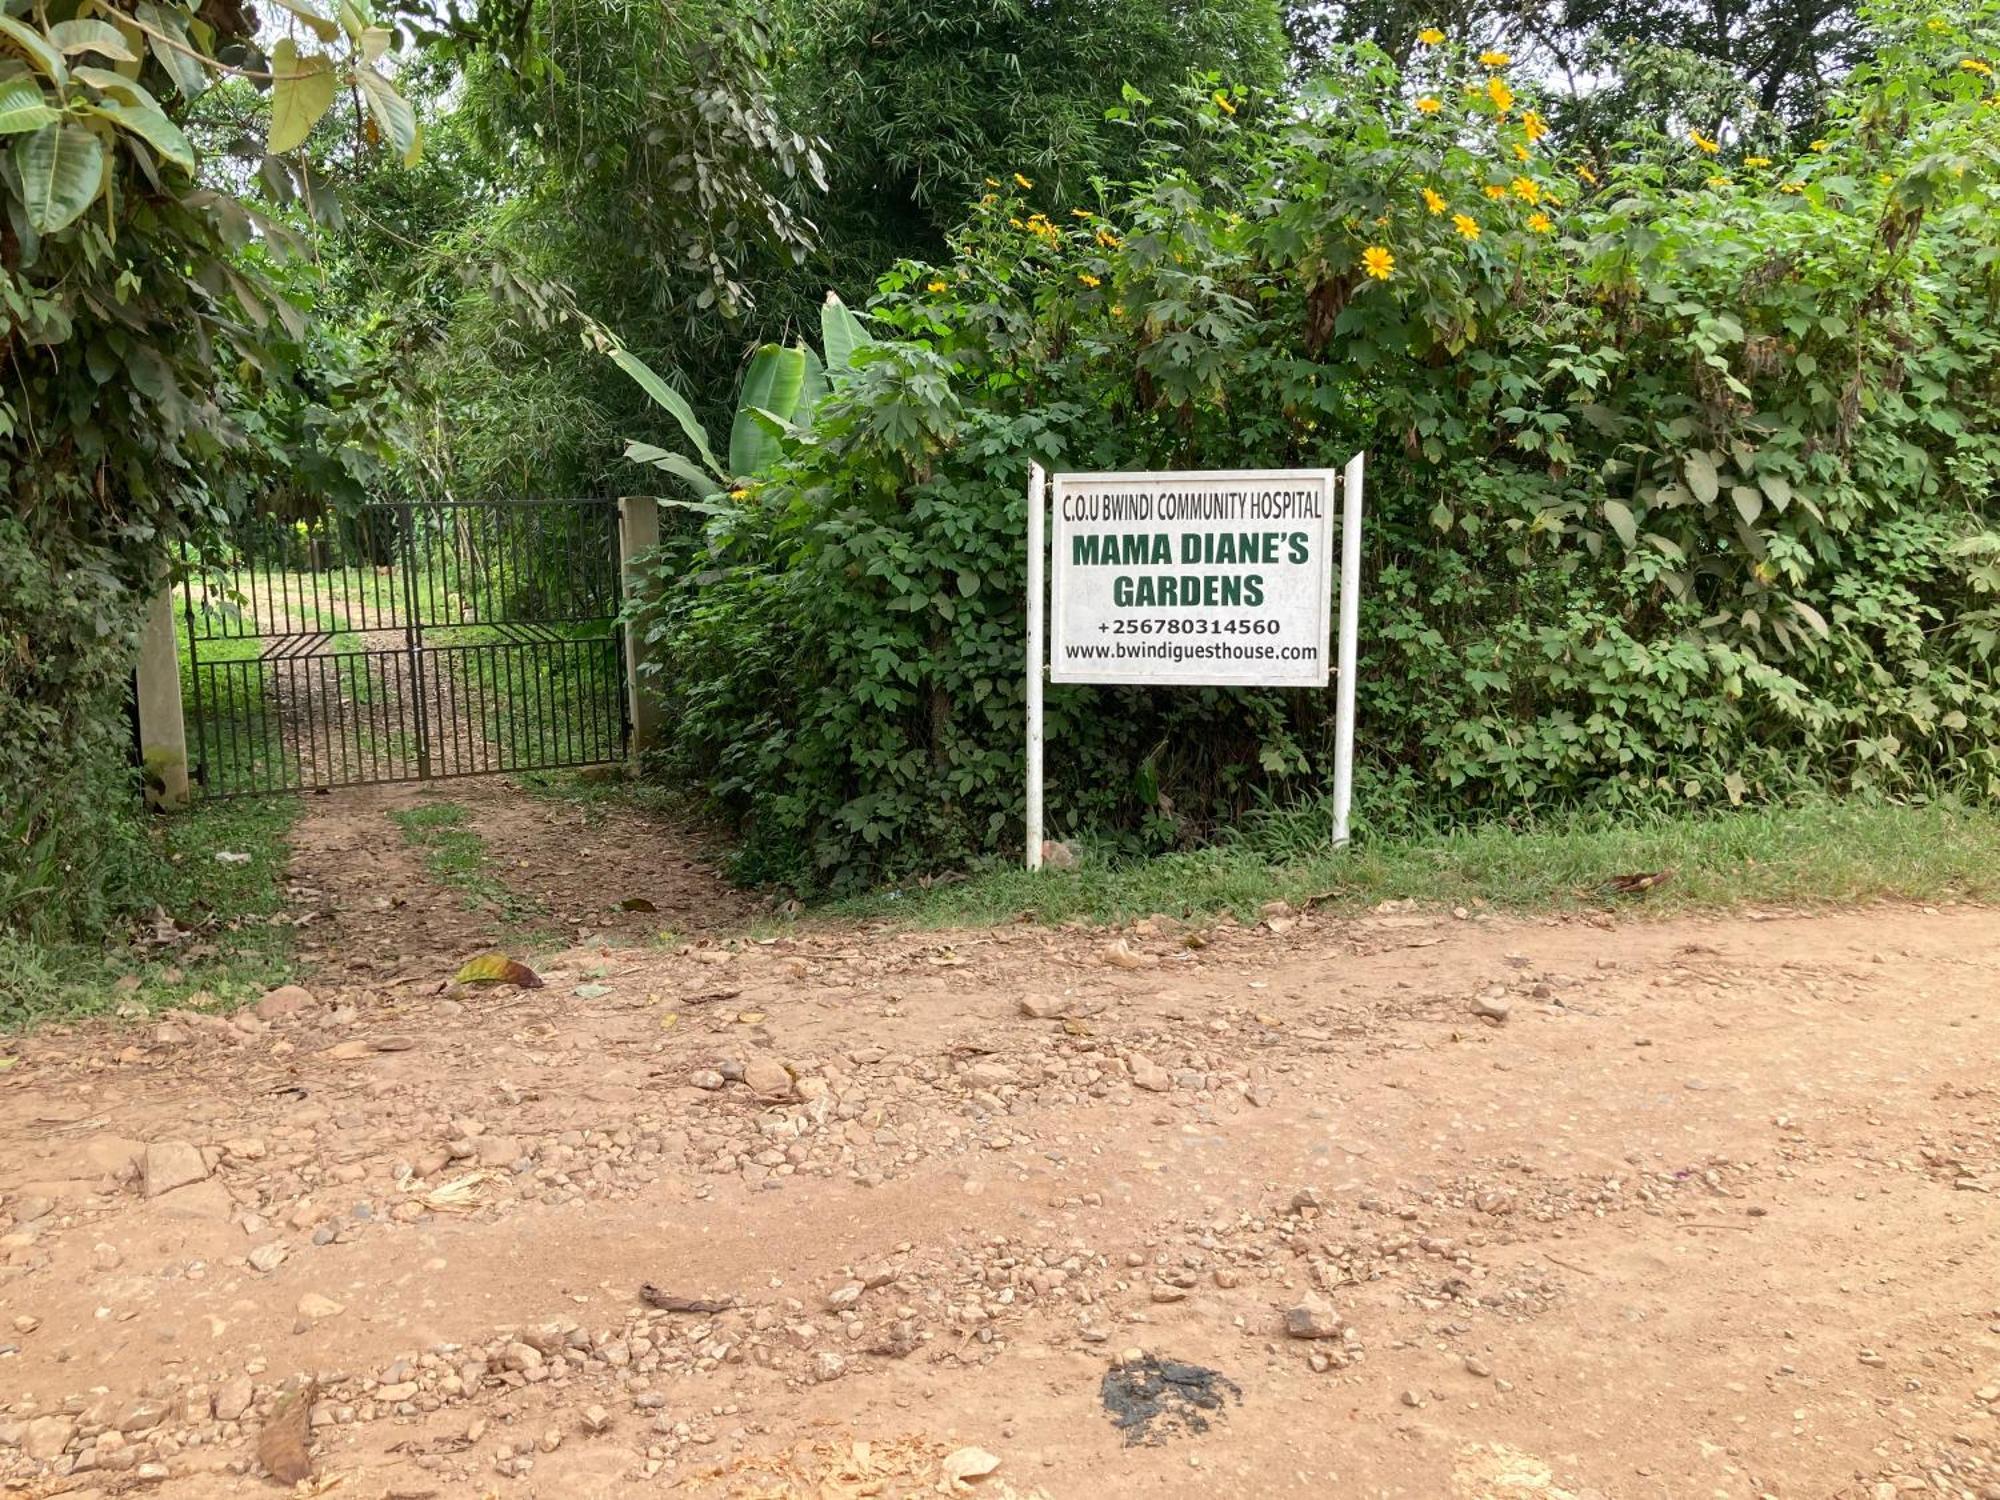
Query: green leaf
(117,85)
(188,75)
(842,333)
(673,463)
(45,59)
(301,93)
(1749,502)
(152,127)
(772,383)
(1619,515)
(813,391)
(72,37)
(666,396)
(393,115)
(1700,468)
(318,24)
(22,106)
(1777,489)
(61,167)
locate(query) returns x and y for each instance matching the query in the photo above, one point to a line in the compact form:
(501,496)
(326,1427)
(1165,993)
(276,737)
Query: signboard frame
(1173,674)
(1040,663)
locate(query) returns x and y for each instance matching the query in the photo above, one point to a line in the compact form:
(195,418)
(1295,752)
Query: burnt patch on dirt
(1152,1399)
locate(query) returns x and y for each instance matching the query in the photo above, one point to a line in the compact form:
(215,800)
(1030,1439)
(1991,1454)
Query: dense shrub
(1682,486)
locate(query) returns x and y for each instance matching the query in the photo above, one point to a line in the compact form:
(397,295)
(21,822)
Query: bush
(1682,475)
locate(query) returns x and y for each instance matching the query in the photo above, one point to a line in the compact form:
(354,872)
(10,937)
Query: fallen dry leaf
(498,968)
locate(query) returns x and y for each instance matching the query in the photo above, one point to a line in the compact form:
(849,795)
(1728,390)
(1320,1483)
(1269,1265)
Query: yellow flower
(1107,239)
(1587,175)
(1937,24)
(1703,144)
(1465,225)
(1500,94)
(993,182)
(1974,65)
(1378,262)
(1817,146)
(1080,213)
(1434,200)
(1430,36)
(1540,222)
(1494,59)
(935,286)
(1017,223)
(739,494)
(1117,309)
(1791,187)
(1222,102)
(1719,180)
(1494,191)
(1535,125)
(1087,279)
(1429,106)
(1022,182)
(1527,189)
(1756,161)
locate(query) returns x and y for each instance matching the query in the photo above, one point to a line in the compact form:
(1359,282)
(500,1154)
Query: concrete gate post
(638,533)
(162,729)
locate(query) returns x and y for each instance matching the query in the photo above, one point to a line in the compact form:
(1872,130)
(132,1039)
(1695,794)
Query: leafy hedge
(1683,474)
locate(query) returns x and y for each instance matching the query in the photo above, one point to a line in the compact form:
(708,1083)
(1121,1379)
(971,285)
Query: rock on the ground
(47,1437)
(1313,1318)
(172,1164)
(1150,1076)
(233,1398)
(1492,1007)
(314,1307)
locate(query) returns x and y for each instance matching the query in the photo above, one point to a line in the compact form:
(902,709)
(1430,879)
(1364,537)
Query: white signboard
(1194,579)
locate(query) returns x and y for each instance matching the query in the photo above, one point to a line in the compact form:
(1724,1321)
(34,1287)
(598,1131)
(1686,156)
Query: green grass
(232,952)
(1818,855)
(456,856)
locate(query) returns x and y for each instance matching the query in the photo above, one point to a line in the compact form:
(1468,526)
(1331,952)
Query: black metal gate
(406,643)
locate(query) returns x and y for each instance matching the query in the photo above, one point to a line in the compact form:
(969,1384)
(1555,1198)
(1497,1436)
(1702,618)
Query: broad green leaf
(773,382)
(813,391)
(392,112)
(354,19)
(1701,478)
(375,43)
(44,58)
(152,127)
(673,463)
(118,86)
(842,334)
(1749,502)
(301,92)
(189,76)
(318,24)
(1777,489)
(22,106)
(61,167)
(1619,515)
(72,37)
(1812,617)
(666,396)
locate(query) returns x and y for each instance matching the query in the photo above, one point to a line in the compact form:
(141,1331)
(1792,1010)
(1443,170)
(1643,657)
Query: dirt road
(1694,1209)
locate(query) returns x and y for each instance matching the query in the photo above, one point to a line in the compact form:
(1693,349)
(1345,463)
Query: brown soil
(1715,1210)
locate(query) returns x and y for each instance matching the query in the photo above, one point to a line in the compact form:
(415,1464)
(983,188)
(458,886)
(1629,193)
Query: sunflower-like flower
(1378,262)
(1466,225)
(1434,200)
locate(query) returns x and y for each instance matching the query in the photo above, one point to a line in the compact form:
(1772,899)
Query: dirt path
(1714,1211)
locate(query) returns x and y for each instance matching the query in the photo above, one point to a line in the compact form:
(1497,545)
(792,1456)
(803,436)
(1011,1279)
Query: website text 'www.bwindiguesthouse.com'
(1187,651)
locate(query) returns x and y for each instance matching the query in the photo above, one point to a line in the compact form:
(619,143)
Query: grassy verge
(456,856)
(1824,854)
(224,942)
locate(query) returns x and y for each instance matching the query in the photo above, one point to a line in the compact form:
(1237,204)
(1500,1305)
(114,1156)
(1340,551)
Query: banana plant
(781,389)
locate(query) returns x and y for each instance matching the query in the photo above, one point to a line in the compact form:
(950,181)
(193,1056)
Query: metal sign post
(1193,579)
